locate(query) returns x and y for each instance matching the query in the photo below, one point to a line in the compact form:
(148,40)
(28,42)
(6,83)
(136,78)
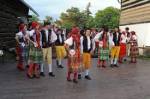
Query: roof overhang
(27,5)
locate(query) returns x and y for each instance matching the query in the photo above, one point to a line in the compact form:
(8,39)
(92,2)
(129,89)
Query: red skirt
(122,50)
(74,62)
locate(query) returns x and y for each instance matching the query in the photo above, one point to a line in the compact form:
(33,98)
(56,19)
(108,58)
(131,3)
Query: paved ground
(127,82)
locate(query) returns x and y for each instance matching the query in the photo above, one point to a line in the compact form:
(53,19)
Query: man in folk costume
(87,48)
(134,51)
(128,35)
(22,44)
(72,45)
(81,68)
(35,53)
(122,53)
(103,50)
(48,38)
(116,48)
(60,49)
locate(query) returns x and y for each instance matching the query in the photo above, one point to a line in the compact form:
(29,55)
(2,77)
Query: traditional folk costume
(35,52)
(96,40)
(21,48)
(103,51)
(134,51)
(115,50)
(60,49)
(128,34)
(72,45)
(87,46)
(48,38)
(122,53)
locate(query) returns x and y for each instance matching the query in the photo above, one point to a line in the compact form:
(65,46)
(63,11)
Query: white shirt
(111,42)
(123,38)
(31,32)
(46,33)
(60,38)
(53,36)
(97,36)
(88,43)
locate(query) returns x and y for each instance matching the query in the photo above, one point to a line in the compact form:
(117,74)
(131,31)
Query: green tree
(49,19)
(73,17)
(33,18)
(109,16)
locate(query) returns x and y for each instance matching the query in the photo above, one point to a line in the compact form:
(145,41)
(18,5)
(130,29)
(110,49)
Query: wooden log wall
(135,11)
(10,10)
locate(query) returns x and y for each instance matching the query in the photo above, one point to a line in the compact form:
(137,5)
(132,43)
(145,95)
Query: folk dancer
(103,50)
(134,51)
(21,48)
(87,49)
(48,38)
(122,53)
(72,45)
(60,49)
(116,48)
(35,52)
(128,35)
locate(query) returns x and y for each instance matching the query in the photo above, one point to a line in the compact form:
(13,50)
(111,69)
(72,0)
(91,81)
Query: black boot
(51,74)
(88,77)
(42,74)
(79,76)
(60,66)
(57,62)
(115,65)
(111,65)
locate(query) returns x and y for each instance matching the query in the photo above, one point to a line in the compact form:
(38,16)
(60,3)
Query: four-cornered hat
(34,24)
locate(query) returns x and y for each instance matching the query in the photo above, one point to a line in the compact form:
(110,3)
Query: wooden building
(135,14)
(12,12)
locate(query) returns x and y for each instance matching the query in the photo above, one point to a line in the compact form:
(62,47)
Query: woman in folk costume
(134,51)
(21,48)
(103,51)
(122,53)
(87,48)
(35,53)
(72,45)
(60,49)
(48,38)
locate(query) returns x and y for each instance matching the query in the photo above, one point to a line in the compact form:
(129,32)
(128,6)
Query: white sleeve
(81,41)
(53,37)
(69,41)
(31,32)
(93,45)
(96,38)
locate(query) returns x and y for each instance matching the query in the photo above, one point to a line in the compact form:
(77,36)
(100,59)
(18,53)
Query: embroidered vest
(46,43)
(85,44)
(58,42)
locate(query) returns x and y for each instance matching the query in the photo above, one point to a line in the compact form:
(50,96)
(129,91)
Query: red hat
(34,24)
(124,33)
(75,30)
(21,27)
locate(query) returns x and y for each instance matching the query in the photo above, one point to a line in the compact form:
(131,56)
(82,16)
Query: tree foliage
(33,18)
(74,17)
(108,17)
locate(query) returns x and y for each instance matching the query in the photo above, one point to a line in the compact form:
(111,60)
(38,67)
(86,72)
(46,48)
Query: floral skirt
(35,54)
(134,51)
(74,62)
(103,53)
